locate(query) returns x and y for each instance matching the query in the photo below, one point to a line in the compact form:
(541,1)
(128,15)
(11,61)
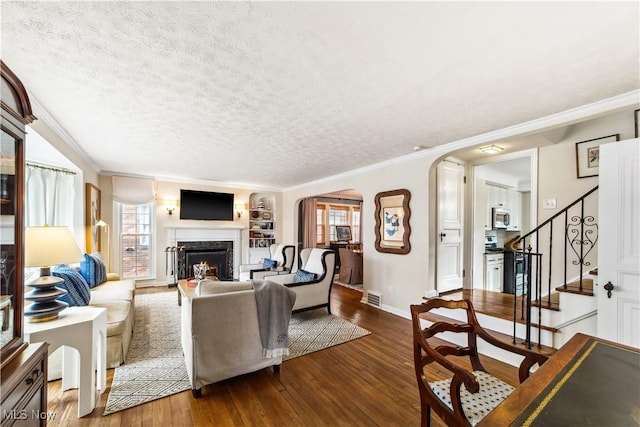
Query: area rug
(155,365)
(315,330)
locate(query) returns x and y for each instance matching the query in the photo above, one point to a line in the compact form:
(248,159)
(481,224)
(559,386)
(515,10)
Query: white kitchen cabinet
(514,204)
(497,197)
(493,272)
(506,198)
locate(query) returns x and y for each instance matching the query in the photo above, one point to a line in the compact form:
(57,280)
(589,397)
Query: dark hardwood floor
(366,382)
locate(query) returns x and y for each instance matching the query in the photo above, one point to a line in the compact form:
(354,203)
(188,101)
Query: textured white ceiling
(282,93)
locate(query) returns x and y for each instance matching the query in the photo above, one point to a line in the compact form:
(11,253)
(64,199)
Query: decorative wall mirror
(392,222)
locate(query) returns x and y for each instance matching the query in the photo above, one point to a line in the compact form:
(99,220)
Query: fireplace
(217,254)
(220,241)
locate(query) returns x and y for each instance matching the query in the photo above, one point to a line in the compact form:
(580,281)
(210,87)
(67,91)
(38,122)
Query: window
(330,215)
(355,224)
(338,215)
(136,240)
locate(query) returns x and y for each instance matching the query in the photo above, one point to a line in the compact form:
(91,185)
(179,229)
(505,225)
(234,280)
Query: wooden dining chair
(467,395)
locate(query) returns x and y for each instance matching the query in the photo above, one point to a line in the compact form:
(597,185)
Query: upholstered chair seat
(470,392)
(312,281)
(282,255)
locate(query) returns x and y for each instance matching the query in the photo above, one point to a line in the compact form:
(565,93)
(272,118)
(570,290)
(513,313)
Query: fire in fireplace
(217,254)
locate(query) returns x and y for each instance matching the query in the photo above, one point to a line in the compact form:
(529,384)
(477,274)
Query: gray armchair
(284,255)
(315,293)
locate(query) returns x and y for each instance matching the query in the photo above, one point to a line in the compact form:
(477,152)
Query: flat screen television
(206,205)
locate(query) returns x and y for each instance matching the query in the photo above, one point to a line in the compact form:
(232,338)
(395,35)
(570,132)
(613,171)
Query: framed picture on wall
(588,155)
(92,216)
(343,233)
(392,222)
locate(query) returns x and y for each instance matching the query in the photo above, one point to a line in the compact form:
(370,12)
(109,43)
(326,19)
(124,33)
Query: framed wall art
(393,228)
(588,155)
(92,216)
(343,233)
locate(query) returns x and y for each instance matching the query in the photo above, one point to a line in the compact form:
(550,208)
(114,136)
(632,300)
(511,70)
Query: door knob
(442,235)
(608,287)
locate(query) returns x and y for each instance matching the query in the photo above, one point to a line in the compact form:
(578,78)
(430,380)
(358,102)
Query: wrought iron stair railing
(542,267)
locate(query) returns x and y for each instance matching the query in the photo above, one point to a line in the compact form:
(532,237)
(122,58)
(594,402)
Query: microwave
(500,218)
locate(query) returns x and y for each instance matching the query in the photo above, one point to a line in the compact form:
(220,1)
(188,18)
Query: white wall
(166,190)
(402,279)
(412,275)
(557,179)
(86,170)
(557,163)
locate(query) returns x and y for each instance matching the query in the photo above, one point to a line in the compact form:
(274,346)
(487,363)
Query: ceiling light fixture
(491,149)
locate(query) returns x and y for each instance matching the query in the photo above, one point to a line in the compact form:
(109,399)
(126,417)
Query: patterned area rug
(315,330)
(155,365)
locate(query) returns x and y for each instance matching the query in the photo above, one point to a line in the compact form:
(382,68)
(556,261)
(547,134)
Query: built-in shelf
(262,222)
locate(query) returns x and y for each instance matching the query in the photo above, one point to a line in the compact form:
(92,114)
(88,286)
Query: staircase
(557,296)
(559,275)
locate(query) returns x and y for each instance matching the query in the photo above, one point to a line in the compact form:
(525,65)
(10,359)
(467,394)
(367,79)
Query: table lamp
(46,246)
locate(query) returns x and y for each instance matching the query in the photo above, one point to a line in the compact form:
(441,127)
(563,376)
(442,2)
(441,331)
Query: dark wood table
(589,381)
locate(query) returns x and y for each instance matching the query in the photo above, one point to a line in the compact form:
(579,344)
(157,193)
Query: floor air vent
(374,299)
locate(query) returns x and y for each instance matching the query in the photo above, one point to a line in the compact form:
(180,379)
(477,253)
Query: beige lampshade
(48,246)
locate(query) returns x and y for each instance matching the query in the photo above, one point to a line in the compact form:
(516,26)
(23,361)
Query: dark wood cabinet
(23,387)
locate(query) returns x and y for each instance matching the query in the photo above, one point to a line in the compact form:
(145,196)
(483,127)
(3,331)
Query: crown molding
(563,118)
(193,181)
(50,121)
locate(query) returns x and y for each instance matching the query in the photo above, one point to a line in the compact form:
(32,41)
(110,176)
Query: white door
(619,242)
(450,180)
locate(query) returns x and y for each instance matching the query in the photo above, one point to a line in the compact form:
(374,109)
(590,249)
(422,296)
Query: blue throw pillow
(269,263)
(77,288)
(93,269)
(304,276)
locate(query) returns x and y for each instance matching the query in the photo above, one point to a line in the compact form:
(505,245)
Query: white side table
(85,330)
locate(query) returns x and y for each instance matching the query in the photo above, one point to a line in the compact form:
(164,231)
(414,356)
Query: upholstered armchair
(283,255)
(312,282)
(221,333)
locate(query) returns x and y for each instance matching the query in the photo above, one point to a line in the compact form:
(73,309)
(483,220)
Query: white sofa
(315,293)
(118,297)
(221,335)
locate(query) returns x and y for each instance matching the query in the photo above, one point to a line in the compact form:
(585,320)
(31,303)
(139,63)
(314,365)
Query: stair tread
(542,349)
(554,304)
(574,287)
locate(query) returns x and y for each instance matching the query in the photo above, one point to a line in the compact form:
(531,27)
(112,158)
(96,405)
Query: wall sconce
(240,208)
(171,206)
(491,149)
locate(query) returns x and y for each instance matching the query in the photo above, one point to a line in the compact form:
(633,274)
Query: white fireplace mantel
(188,234)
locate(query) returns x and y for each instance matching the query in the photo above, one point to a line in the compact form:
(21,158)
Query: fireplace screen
(217,255)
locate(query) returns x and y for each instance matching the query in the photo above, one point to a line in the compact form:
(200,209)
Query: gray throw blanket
(275,302)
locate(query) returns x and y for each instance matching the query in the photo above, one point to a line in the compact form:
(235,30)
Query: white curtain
(50,196)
